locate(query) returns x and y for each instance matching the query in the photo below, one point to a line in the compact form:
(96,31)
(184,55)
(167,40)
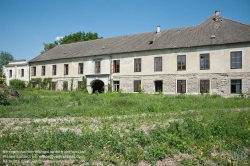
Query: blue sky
(26,24)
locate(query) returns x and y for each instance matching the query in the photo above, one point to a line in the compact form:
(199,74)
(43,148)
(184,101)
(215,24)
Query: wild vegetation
(127,129)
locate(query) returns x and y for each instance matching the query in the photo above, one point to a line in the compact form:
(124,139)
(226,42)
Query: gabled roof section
(210,32)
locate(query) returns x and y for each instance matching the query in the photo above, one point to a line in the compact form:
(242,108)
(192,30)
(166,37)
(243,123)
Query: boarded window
(181,86)
(204,86)
(116,66)
(158,63)
(116,85)
(80,68)
(97,67)
(236,86)
(158,86)
(137,84)
(181,62)
(236,60)
(43,70)
(204,61)
(137,65)
(66,69)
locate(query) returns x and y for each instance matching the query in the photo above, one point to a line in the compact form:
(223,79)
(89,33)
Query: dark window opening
(66,69)
(80,68)
(54,70)
(79,84)
(137,65)
(43,70)
(116,66)
(181,62)
(53,85)
(116,85)
(204,61)
(97,67)
(137,84)
(158,63)
(236,86)
(98,86)
(158,86)
(236,60)
(65,85)
(22,72)
(204,86)
(151,42)
(10,74)
(33,71)
(181,86)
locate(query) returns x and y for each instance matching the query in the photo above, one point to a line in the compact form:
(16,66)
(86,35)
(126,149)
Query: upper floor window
(33,71)
(204,61)
(116,66)
(204,86)
(43,71)
(236,86)
(22,72)
(97,67)
(66,69)
(236,60)
(10,73)
(158,63)
(53,69)
(181,62)
(80,68)
(137,65)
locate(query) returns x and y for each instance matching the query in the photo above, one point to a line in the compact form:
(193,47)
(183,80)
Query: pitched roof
(210,32)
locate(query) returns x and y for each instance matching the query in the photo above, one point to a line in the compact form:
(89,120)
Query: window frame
(97,67)
(185,62)
(116,66)
(236,62)
(157,63)
(66,69)
(80,68)
(235,85)
(177,87)
(205,62)
(54,70)
(155,83)
(205,80)
(138,83)
(33,71)
(10,73)
(116,86)
(43,70)
(137,65)
(22,72)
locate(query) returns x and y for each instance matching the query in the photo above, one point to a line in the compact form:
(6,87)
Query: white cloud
(58,38)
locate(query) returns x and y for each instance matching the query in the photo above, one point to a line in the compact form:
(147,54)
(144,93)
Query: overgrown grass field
(127,129)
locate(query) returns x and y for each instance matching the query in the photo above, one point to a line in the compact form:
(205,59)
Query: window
(65,85)
(33,71)
(97,67)
(43,70)
(10,74)
(53,69)
(66,69)
(137,64)
(158,63)
(80,68)
(204,86)
(116,86)
(22,72)
(236,86)
(181,62)
(158,86)
(79,84)
(137,84)
(116,66)
(236,60)
(204,61)
(181,86)
(53,85)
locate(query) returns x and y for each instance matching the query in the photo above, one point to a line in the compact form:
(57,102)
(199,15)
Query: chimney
(217,15)
(158,29)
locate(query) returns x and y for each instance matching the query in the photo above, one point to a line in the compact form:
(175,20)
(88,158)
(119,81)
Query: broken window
(116,85)
(33,71)
(43,70)
(158,86)
(116,66)
(236,86)
(54,70)
(181,86)
(80,68)
(66,69)
(97,67)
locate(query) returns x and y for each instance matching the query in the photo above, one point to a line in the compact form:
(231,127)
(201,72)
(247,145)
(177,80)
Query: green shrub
(17,84)
(3,98)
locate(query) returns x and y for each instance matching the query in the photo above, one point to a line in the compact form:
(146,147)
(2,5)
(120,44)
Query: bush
(17,84)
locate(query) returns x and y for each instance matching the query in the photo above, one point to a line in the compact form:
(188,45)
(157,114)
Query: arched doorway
(98,86)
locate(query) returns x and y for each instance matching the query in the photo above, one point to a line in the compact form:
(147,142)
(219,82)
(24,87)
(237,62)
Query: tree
(5,57)
(72,38)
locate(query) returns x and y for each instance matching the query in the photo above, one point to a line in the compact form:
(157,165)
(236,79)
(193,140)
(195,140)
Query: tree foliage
(5,57)
(72,38)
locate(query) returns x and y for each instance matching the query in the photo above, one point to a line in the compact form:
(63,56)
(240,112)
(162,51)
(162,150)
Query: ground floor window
(79,84)
(204,86)
(65,85)
(33,84)
(116,86)
(137,84)
(181,86)
(53,85)
(158,86)
(236,86)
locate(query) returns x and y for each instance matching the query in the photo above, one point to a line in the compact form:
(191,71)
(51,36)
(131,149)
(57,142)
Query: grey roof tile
(226,31)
